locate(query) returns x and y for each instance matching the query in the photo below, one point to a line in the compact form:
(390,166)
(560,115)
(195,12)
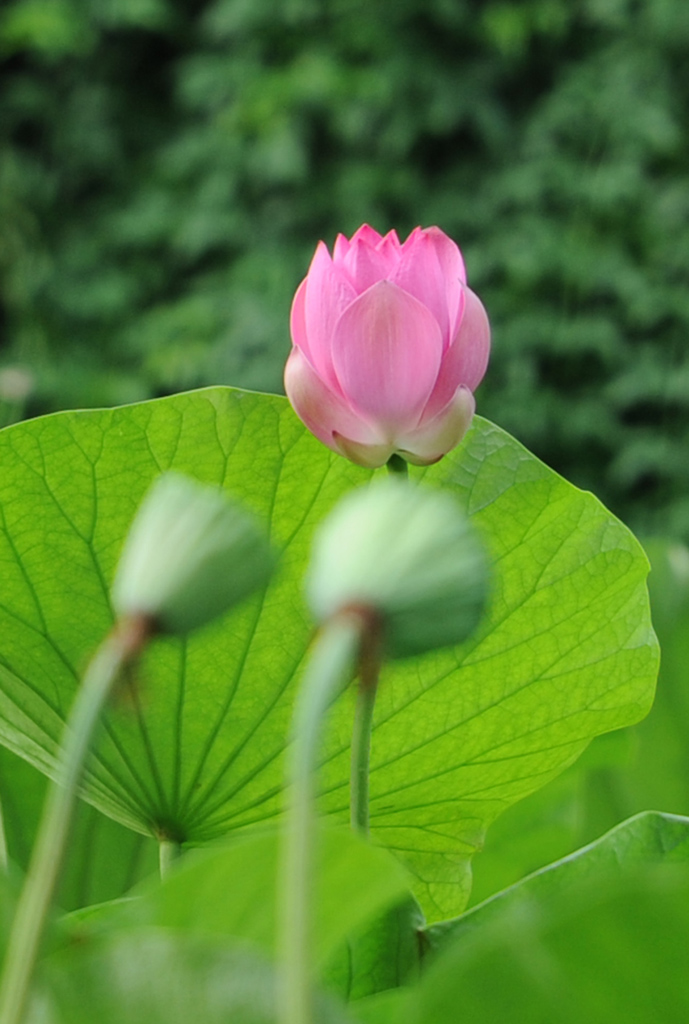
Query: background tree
(166,168)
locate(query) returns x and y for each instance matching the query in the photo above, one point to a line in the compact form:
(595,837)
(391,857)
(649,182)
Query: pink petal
(466,359)
(389,253)
(366,234)
(431,269)
(373,456)
(389,244)
(391,241)
(440,435)
(366,264)
(340,249)
(449,256)
(386,353)
(327,293)
(324,413)
(297,321)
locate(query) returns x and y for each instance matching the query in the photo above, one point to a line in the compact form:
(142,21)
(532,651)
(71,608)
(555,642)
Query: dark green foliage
(166,169)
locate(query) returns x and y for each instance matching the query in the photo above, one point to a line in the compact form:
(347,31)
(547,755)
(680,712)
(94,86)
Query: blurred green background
(167,167)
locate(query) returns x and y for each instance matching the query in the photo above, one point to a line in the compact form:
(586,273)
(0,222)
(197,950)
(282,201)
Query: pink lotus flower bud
(389,344)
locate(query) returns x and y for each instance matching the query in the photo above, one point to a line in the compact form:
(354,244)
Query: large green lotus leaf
(194,746)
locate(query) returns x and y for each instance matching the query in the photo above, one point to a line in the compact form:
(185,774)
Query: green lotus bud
(410,555)
(191,554)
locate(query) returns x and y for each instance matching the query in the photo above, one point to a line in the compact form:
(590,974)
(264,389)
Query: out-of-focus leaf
(384,1008)
(648,838)
(232,892)
(157,976)
(609,949)
(384,955)
(103,858)
(366,927)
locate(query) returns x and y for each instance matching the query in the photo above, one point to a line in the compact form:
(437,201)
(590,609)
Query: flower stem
(369,671)
(329,668)
(121,645)
(361,751)
(168,852)
(398,466)
(4,859)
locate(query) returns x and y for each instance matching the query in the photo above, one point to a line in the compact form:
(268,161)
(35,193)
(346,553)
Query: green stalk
(329,669)
(3,842)
(361,753)
(398,466)
(168,853)
(369,671)
(124,643)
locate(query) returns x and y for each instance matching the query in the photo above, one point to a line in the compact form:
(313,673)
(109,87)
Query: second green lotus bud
(407,553)
(191,554)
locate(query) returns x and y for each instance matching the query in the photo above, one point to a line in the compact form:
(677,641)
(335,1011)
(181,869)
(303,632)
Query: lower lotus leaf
(608,950)
(231,892)
(158,976)
(646,839)
(384,1008)
(384,955)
